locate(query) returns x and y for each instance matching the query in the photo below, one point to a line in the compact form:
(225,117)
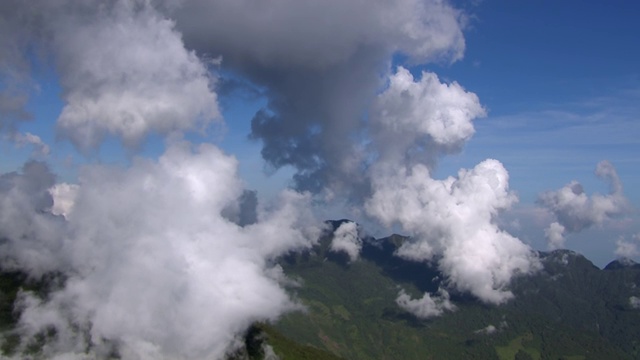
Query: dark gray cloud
(321,63)
(15,80)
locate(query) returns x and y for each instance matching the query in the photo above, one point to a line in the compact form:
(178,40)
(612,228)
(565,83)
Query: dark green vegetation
(569,310)
(11,283)
(261,335)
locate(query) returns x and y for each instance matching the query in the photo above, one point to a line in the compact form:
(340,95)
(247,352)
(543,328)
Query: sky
(160,142)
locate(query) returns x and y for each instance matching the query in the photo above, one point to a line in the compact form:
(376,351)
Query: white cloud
(419,120)
(426,307)
(152,266)
(122,66)
(574,210)
(64,196)
(31,236)
(555,236)
(634,301)
(451,221)
(490,329)
(346,239)
(628,249)
(452,218)
(126,72)
(40,147)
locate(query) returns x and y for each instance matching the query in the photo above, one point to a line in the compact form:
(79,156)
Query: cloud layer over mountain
(173,257)
(150,264)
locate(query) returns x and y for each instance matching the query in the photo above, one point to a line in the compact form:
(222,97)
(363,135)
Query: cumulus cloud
(418,120)
(125,71)
(346,239)
(153,267)
(123,68)
(64,196)
(453,222)
(627,249)
(426,307)
(40,148)
(575,211)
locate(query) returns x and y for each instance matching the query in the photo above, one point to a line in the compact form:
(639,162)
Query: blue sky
(560,81)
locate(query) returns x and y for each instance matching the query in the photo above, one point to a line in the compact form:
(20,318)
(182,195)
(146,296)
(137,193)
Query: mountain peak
(622,263)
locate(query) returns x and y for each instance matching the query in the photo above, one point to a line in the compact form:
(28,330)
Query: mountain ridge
(569,309)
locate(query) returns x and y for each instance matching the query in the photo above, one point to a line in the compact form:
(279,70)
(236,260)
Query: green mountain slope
(570,309)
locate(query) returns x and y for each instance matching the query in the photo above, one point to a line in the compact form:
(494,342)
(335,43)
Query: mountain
(622,264)
(570,309)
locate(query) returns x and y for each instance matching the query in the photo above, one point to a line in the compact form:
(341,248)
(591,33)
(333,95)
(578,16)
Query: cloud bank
(151,265)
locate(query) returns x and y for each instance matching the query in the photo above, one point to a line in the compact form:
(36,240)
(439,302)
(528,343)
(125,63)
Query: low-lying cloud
(151,265)
(346,239)
(453,225)
(427,306)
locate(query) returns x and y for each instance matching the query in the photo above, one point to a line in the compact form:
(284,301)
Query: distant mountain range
(570,309)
